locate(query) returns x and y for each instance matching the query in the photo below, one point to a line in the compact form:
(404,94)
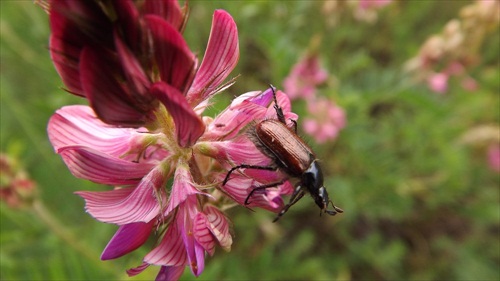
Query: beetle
(291,155)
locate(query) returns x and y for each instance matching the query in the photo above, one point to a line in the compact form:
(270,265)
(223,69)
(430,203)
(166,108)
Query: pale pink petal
(90,164)
(229,123)
(127,205)
(202,233)
(252,106)
(170,273)
(220,57)
(171,250)
(78,125)
(188,125)
(237,150)
(238,188)
(181,188)
(219,226)
(128,238)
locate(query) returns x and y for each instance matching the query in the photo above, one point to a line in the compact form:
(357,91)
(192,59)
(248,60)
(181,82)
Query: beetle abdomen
(288,149)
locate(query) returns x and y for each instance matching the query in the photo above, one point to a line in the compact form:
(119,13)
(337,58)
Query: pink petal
(78,125)
(238,188)
(170,273)
(237,150)
(171,250)
(174,59)
(90,164)
(202,233)
(128,238)
(168,10)
(136,270)
(101,79)
(219,226)
(195,252)
(181,188)
(188,125)
(228,124)
(127,205)
(220,57)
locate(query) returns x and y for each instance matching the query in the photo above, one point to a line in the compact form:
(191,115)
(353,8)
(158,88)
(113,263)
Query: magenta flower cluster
(145,126)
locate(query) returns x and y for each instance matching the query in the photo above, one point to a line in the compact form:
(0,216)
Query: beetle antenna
(279,111)
(337,209)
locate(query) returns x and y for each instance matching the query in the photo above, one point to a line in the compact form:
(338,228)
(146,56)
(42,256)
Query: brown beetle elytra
(291,155)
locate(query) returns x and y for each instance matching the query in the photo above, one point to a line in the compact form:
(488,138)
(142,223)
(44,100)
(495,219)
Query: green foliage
(420,204)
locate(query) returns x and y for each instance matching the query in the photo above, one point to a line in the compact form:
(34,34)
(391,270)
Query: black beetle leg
(296,196)
(294,125)
(274,184)
(245,166)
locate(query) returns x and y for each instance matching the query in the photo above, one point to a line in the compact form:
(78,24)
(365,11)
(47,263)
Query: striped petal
(127,205)
(78,125)
(93,165)
(169,10)
(181,188)
(171,250)
(174,59)
(202,234)
(220,57)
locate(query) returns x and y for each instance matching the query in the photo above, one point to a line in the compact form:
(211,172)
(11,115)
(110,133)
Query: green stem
(67,236)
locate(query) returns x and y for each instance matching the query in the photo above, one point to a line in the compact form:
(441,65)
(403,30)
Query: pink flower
(140,161)
(305,76)
(325,120)
(16,188)
(144,127)
(494,157)
(438,82)
(373,4)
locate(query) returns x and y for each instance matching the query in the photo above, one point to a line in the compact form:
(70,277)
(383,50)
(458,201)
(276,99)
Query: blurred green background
(420,204)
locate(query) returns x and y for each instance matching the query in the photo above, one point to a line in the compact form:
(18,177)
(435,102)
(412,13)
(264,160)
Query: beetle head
(312,179)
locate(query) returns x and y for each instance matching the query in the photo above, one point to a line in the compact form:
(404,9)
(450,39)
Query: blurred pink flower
(369,4)
(325,120)
(469,84)
(16,188)
(438,82)
(305,76)
(494,157)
